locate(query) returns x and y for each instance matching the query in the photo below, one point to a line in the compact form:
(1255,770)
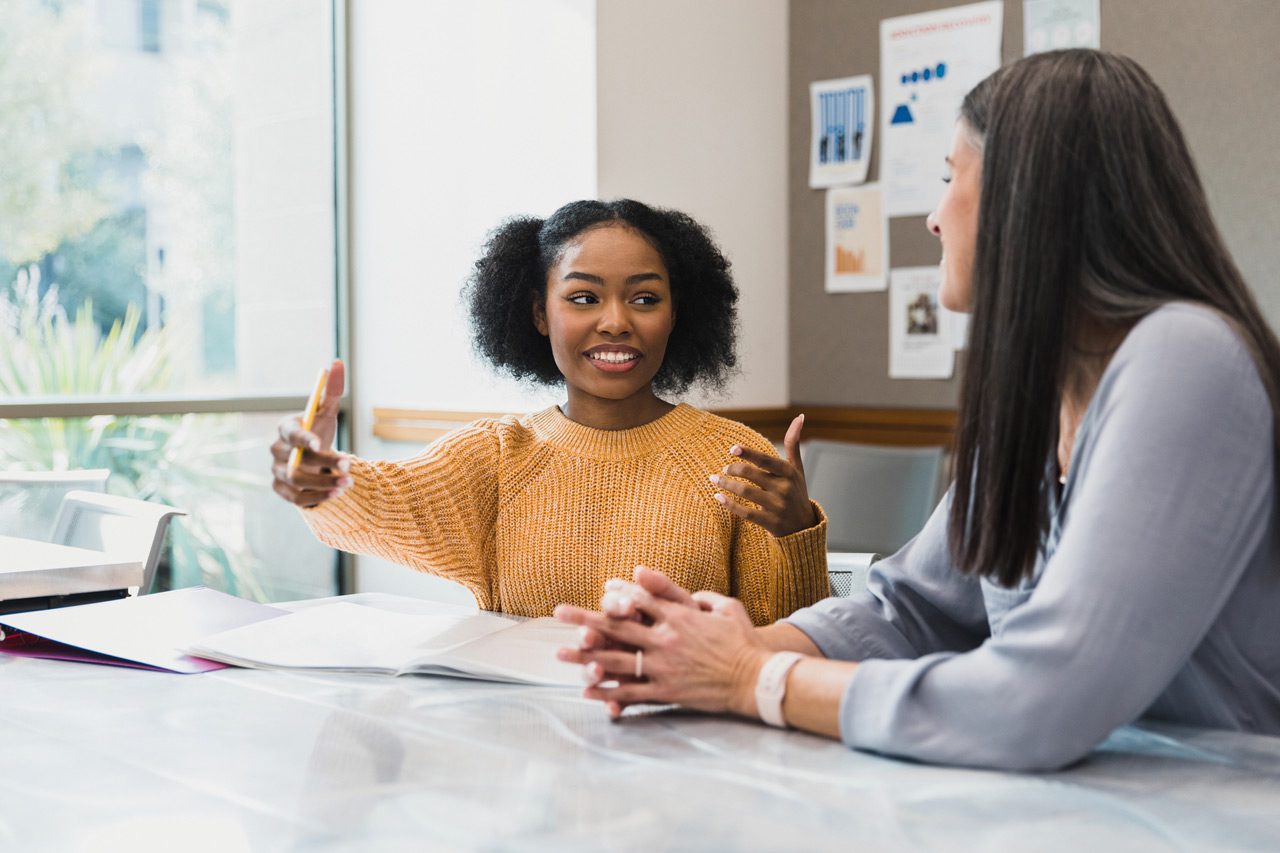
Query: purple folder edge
(22,645)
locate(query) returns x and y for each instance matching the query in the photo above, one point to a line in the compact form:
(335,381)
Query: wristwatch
(771,686)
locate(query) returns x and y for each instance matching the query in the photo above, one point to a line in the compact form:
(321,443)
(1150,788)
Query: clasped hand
(775,486)
(697,650)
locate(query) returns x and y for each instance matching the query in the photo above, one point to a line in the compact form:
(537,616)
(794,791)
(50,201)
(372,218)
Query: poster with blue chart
(843,124)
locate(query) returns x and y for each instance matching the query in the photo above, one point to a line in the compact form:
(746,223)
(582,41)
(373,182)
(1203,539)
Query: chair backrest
(29,500)
(876,498)
(122,527)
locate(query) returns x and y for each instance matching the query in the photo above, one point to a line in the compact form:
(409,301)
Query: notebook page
(524,652)
(344,636)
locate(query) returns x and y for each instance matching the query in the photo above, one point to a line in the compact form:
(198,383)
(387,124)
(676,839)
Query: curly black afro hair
(512,273)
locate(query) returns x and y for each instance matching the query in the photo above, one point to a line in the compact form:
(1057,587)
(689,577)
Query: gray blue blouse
(1157,590)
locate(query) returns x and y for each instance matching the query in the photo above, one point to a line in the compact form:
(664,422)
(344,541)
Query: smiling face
(955,221)
(608,313)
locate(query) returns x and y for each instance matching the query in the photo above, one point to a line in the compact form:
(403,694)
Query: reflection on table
(97,756)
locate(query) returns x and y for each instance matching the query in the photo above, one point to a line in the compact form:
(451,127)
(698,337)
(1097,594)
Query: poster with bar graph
(843,123)
(857,251)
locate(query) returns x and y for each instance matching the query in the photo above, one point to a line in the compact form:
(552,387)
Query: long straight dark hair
(1091,216)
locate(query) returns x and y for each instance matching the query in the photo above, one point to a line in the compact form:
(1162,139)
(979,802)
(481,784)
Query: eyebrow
(595,279)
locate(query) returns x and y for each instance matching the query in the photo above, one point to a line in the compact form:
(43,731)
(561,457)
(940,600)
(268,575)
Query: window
(168,270)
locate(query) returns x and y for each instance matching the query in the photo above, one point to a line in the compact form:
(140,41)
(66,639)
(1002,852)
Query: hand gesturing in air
(776,486)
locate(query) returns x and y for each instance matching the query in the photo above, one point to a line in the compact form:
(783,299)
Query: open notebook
(349,637)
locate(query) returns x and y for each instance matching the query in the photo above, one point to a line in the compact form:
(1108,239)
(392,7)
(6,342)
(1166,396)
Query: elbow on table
(1046,756)
(1043,735)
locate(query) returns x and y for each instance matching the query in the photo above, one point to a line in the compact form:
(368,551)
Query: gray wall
(1219,64)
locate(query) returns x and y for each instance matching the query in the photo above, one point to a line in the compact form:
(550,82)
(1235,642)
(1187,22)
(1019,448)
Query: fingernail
(735,451)
(614,583)
(344,482)
(715,478)
(609,602)
(314,444)
(582,636)
(722,497)
(802,417)
(344,465)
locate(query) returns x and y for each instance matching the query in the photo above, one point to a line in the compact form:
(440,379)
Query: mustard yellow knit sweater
(529,512)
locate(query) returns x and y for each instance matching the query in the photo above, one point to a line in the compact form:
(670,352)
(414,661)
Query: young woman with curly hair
(619,302)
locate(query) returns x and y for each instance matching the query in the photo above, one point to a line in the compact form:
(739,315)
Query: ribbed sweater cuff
(346,515)
(804,552)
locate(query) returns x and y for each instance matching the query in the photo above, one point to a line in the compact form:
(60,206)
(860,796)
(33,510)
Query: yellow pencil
(308,419)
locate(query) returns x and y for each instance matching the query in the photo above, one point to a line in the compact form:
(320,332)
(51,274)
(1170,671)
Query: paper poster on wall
(959,324)
(927,64)
(857,251)
(1058,24)
(843,123)
(920,340)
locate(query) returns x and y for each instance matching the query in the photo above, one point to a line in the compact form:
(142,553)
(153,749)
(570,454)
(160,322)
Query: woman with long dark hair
(1110,548)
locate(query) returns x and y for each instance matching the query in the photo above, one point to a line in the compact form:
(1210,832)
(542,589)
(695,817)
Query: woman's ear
(540,314)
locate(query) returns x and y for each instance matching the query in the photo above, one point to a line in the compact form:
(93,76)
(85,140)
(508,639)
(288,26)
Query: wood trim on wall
(892,427)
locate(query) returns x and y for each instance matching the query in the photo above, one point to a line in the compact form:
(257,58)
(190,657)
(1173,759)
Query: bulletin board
(1216,62)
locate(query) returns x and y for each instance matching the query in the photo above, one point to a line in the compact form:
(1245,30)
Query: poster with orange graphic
(857,251)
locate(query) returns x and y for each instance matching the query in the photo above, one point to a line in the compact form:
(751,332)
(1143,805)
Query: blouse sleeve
(1173,484)
(915,604)
(435,512)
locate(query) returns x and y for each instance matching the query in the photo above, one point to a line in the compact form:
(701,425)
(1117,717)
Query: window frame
(127,406)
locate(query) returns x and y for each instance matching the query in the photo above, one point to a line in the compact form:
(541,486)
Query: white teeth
(612,357)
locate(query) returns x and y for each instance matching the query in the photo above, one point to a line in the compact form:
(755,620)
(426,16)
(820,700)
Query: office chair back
(29,500)
(876,498)
(122,527)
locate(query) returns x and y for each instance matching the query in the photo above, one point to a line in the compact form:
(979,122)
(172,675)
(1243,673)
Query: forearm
(781,637)
(815,685)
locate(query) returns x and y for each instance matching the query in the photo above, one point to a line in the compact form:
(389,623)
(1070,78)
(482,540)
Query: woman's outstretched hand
(322,472)
(775,485)
(651,644)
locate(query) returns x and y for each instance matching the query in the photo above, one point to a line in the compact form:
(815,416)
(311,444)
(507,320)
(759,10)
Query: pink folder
(146,632)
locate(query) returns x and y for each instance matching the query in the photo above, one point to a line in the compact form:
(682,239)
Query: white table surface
(103,758)
(30,567)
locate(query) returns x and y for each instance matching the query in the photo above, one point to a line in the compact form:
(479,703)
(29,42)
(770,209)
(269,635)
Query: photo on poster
(856,244)
(921,341)
(922,314)
(843,123)
(928,62)
(1059,24)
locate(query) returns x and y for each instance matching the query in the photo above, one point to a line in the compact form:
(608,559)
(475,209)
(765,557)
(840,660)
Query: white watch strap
(771,687)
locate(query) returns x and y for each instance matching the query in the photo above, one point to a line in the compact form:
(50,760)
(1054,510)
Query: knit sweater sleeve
(434,512)
(774,576)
